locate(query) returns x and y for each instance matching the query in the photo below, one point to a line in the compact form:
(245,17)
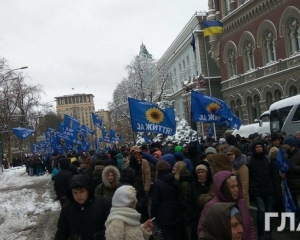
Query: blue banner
(147,117)
(87,129)
(209,109)
(211,130)
(115,136)
(105,136)
(70,125)
(22,133)
(97,120)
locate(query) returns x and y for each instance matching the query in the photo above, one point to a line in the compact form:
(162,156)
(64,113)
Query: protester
(123,221)
(223,221)
(84,216)
(110,182)
(166,201)
(228,189)
(201,184)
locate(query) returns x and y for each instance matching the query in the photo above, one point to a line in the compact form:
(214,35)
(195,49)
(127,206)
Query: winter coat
(62,182)
(105,189)
(263,176)
(97,175)
(146,174)
(86,221)
(240,168)
(293,174)
(165,199)
(124,223)
(218,179)
(196,189)
(220,229)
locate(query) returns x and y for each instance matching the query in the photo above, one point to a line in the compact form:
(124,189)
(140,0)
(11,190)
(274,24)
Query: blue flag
(146,139)
(210,109)
(283,167)
(70,125)
(97,120)
(115,136)
(87,129)
(105,136)
(22,133)
(193,42)
(147,117)
(211,130)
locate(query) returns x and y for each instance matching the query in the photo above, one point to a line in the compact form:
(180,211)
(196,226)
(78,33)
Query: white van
(246,130)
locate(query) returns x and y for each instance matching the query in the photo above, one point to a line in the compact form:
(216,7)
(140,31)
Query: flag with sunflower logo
(105,136)
(147,117)
(115,136)
(206,108)
(97,120)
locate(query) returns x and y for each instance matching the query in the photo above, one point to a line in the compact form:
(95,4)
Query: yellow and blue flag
(147,117)
(97,120)
(212,27)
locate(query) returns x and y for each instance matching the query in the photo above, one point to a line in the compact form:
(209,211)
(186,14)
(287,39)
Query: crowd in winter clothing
(183,187)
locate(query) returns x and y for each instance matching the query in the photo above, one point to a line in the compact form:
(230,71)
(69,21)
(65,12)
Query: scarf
(128,215)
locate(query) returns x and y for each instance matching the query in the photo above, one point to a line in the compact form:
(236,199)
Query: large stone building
(79,106)
(258,52)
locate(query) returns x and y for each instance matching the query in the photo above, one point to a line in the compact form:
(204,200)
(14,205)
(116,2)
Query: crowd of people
(200,190)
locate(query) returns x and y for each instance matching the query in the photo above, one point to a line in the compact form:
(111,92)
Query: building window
(233,108)
(294,35)
(231,61)
(239,112)
(293,91)
(249,55)
(256,107)
(187,60)
(183,64)
(269,99)
(227,6)
(277,95)
(250,110)
(179,67)
(269,46)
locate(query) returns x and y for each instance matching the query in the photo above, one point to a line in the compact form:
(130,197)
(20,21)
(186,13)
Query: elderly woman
(123,221)
(229,225)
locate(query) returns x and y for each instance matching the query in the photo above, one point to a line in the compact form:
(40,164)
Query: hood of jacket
(241,160)
(107,170)
(218,179)
(80,180)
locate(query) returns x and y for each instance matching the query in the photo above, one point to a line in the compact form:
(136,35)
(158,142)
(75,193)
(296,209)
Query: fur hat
(124,196)
(162,166)
(291,140)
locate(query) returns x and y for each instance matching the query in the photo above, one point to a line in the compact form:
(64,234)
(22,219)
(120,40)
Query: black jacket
(62,182)
(165,199)
(293,174)
(84,222)
(264,177)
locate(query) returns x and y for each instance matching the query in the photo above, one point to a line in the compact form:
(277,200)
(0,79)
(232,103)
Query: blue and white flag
(147,117)
(146,139)
(105,136)
(206,108)
(87,129)
(97,120)
(22,133)
(211,130)
(115,136)
(70,125)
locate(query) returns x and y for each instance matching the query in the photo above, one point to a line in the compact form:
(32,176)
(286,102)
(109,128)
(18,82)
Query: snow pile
(20,205)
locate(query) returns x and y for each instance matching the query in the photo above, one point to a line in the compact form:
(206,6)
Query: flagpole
(208,78)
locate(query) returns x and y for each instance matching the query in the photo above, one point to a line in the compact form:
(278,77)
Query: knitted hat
(291,140)
(124,196)
(222,140)
(201,167)
(179,155)
(178,149)
(210,150)
(162,166)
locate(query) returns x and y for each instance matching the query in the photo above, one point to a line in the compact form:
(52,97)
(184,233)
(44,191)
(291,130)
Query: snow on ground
(22,200)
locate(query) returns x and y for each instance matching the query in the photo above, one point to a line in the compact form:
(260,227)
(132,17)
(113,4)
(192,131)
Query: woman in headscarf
(227,227)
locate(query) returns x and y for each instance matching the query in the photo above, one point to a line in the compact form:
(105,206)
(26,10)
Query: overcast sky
(83,46)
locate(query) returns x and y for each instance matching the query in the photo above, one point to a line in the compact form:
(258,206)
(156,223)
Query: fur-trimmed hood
(241,160)
(107,170)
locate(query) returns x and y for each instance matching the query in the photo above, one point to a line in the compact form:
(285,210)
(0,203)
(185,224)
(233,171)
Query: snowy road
(27,208)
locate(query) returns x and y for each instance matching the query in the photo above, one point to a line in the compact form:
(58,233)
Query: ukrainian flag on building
(212,27)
